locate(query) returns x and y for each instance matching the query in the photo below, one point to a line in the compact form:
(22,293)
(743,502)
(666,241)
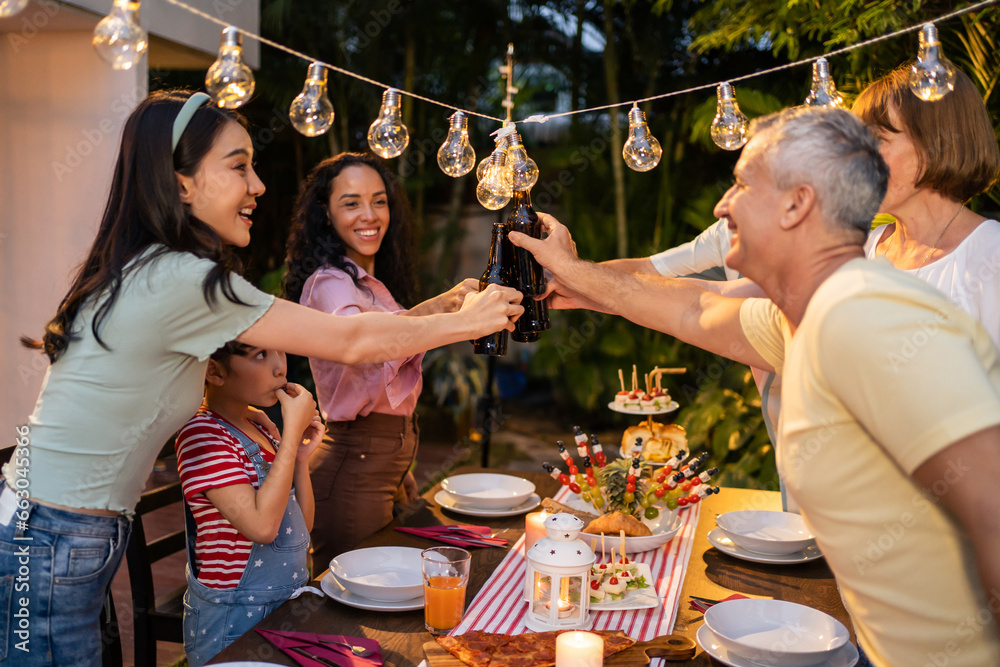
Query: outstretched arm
(379,337)
(676,307)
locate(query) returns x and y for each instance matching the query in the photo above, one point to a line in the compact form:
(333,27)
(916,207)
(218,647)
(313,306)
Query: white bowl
(772,533)
(387,574)
(774,632)
(488,491)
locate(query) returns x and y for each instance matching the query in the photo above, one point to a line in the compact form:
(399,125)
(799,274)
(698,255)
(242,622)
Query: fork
(359,651)
(304,652)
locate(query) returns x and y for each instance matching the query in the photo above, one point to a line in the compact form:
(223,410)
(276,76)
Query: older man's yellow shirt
(882,373)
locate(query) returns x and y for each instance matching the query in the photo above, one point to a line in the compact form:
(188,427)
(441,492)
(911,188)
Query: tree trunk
(577,77)
(617,165)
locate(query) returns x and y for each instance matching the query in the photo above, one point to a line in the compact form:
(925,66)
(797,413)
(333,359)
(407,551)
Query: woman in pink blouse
(352,219)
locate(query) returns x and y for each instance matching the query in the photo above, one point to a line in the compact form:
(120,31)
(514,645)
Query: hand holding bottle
(491,310)
(555,252)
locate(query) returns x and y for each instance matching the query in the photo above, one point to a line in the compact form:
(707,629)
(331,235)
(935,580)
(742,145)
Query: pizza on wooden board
(531,649)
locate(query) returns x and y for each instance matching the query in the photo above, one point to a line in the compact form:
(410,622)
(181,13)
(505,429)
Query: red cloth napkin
(448,536)
(697,606)
(338,654)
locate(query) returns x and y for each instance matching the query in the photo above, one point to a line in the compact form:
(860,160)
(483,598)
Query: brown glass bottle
(497,273)
(528,275)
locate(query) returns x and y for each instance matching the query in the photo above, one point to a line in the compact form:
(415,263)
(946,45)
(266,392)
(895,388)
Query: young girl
(251,532)
(351,222)
(129,346)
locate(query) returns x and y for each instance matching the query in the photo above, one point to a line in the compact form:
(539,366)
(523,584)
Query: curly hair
(314,244)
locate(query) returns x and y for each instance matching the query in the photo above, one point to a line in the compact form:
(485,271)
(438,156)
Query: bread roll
(615,522)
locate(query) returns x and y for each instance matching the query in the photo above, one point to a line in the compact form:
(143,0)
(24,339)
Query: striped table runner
(499,606)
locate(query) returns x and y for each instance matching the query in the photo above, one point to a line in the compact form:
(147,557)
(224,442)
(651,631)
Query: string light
(311,112)
(495,189)
(641,151)
(823,91)
(456,157)
(484,164)
(9,8)
(229,81)
(729,128)
(928,88)
(524,171)
(118,38)
(933,75)
(387,135)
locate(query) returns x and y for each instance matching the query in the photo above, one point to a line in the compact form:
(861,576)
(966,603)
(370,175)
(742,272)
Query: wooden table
(401,635)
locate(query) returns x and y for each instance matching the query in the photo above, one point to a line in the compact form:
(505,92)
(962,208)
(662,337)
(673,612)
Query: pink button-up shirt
(347,392)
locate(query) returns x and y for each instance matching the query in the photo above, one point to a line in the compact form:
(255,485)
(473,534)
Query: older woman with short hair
(940,155)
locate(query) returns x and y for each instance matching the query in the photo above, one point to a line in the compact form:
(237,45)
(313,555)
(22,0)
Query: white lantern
(558,577)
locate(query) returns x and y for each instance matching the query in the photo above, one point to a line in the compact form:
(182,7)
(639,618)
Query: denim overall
(214,618)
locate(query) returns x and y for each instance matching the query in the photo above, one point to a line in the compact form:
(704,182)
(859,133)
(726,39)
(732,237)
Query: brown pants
(357,474)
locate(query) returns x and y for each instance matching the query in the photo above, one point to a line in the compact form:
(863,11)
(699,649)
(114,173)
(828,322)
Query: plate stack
(775,633)
(764,537)
(377,578)
(487,494)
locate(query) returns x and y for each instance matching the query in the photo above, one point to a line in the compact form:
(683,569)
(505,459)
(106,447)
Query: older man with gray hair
(890,428)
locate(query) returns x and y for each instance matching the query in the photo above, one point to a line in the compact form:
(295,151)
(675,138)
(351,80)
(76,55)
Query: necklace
(934,247)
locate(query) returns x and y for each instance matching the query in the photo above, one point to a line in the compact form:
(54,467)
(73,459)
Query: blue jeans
(55,572)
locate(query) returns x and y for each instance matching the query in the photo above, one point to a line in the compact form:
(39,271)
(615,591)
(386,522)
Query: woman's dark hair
(956,147)
(231,349)
(313,243)
(144,208)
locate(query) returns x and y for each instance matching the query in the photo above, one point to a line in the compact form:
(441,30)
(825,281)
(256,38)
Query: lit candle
(579,649)
(534,528)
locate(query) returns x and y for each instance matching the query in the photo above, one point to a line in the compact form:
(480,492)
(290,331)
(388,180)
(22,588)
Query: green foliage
(725,419)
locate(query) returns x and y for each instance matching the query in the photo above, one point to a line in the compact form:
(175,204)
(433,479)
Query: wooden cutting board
(670,647)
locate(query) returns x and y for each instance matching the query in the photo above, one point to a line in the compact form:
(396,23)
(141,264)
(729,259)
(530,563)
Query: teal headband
(184,117)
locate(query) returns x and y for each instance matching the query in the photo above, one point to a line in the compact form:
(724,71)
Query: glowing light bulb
(933,76)
(387,135)
(10,7)
(229,81)
(456,156)
(118,37)
(495,190)
(311,112)
(524,171)
(485,162)
(823,92)
(729,129)
(642,151)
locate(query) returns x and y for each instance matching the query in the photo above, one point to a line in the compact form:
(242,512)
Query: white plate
(765,532)
(387,574)
(332,587)
(447,501)
(846,656)
(776,631)
(664,527)
(718,539)
(637,598)
(488,491)
(671,406)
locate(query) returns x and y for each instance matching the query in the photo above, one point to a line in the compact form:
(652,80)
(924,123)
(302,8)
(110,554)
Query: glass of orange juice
(446,575)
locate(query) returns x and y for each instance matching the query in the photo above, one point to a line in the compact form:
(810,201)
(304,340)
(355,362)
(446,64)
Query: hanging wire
(541,118)
(339,70)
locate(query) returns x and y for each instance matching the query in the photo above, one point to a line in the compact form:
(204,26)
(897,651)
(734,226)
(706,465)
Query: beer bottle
(529,279)
(528,273)
(497,273)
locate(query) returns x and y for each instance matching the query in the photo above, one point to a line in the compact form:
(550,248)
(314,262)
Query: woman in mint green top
(129,345)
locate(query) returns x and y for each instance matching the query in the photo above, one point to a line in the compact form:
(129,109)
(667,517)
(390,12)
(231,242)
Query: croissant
(612,524)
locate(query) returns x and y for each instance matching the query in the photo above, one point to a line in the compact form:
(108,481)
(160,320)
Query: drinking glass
(446,575)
